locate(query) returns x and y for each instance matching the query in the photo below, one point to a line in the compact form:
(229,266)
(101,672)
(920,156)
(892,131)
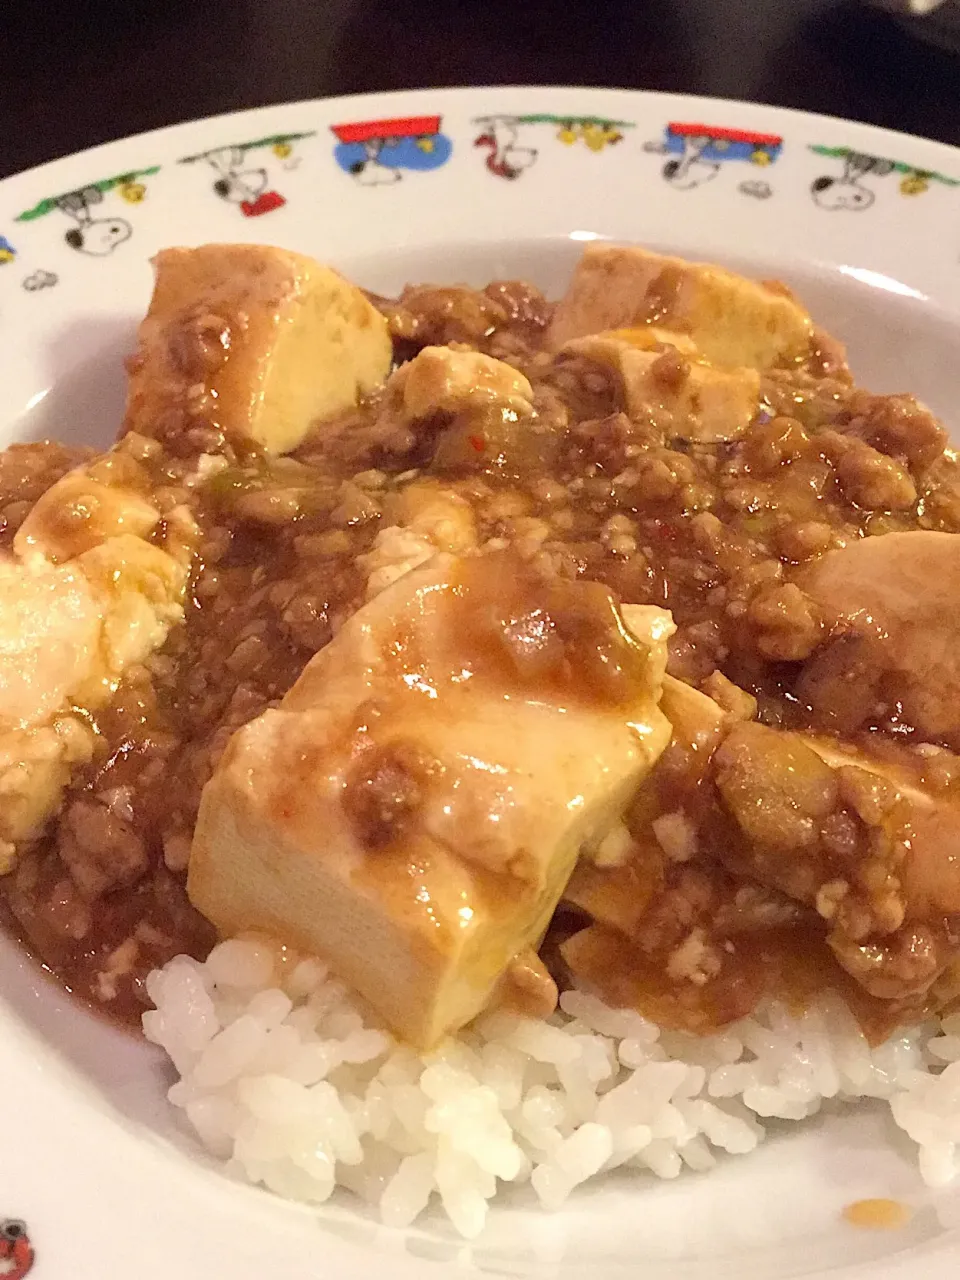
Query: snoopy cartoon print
(697,153)
(848,190)
(852,188)
(244,180)
(691,168)
(16,1250)
(239,185)
(96,236)
(503,138)
(375,153)
(95,227)
(504,158)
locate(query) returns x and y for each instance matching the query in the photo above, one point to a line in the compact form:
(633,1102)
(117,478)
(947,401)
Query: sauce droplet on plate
(878,1215)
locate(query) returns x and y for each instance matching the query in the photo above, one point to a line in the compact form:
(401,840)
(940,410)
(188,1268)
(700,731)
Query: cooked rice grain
(288,1079)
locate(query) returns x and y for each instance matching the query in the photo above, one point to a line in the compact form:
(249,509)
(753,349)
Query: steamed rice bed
(284,1076)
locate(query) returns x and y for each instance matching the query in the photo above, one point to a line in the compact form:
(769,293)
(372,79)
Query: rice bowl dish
(514,744)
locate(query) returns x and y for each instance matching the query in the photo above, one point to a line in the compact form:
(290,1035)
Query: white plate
(487,182)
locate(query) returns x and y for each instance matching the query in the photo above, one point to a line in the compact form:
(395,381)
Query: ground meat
(839,682)
(101,850)
(428,315)
(898,426)
(383,791)
(717,533)
(523,304)
(829,356)
(779,791)
(891,970)
(785,622)
(868,477)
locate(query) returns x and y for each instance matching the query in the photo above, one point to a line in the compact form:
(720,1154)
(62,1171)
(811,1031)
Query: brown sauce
(716,533)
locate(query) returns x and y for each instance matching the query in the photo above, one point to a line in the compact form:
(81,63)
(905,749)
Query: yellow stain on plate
(877,1215)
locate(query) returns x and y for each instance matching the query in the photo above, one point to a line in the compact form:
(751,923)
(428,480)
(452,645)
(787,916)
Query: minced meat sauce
(717,533)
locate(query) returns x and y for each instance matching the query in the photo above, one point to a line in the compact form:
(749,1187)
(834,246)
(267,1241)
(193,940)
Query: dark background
(75,73)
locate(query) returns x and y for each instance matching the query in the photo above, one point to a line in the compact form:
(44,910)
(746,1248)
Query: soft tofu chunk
(415,806)
(891,607)
(429,518)
(84,597)
(440,380)
(82,510)
(258,341)
(35,766)
(652,627)
(694,402)
(617,890)
(67,634)
(139,590)
(49,628)
(731,320)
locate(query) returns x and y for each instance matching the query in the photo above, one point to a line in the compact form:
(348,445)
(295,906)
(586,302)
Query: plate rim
(164,132)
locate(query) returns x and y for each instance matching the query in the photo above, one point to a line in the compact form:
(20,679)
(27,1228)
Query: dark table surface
(79,73)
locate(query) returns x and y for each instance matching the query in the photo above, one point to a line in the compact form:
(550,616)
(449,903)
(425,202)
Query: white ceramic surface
(451,185)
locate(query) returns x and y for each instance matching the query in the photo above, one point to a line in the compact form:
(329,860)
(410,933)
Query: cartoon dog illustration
(376,152)
(698,152)
(371,171)
(92,233)
(95,236)
(849,191)
(504,158)
(691,168)
(244,187)
(16,1251)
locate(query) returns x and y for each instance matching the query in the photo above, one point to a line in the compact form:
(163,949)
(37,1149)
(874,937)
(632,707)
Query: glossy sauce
(586,495)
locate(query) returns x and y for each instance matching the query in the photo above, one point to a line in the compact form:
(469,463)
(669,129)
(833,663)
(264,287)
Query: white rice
(286,1078)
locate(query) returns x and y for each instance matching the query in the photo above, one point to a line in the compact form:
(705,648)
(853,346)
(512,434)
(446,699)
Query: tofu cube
(414,808)
(731,320)
(702,405)
(258,341)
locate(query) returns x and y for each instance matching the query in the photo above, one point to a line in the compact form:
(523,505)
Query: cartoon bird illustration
(568,133)
(282,150)
(595,136)
(505,159)
(16,1251)
(7,251)
(132,192)
(915,183)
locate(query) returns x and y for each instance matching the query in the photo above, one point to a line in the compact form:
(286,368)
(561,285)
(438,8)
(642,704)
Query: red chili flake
(669,530)
(478,443)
